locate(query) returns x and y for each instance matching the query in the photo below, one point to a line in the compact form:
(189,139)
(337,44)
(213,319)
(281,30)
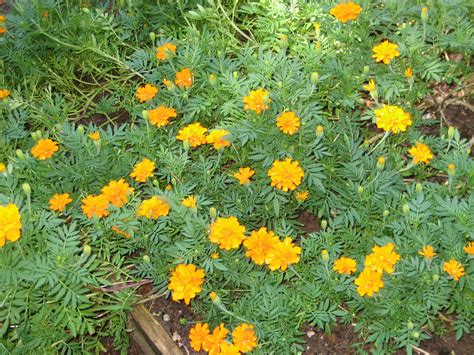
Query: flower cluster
(165,51)
(185,282)
(195,135)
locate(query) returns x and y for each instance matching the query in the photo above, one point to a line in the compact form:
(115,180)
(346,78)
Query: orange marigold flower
(95,206)
(218,137)
(227,232)
(59,202)
(143,170)
(244,175)
(244,337)
(184,78)
(213,342)
(10,224)
(382,259)
(259,245)
(469,248)
(95,136)
(3,30)
(44,149)
(408,73)
(420,153)
(185,282)
(168,83)
(428,252)
(189,201)
(286,174)
(146,92)
(282,255)
(4,93)
(228,349)
(193,134)
(392,118)
(454,268)
(371,86)
(165,51)
(288,123)
(345,265)
(2,18)
(161,115)
(346,11)
(215,255)
(385,52)
(257,100)
(153,208)
(121,232)
(368,282)
(117,191)
(198,335)
(302,196)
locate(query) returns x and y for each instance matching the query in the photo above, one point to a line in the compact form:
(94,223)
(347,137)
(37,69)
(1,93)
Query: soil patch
(310,223)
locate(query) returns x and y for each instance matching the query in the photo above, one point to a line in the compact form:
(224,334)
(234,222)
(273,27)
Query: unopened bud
(419,187)
(280,84)
(146,259)
(283,40)
(415,334)
(424,14)
(155,182)
(380,163)
(80,129)
(152,37)
(145,114)
(410,325)
(406,208)
(26,189)
(325,255)
(435,277)
(34,136)
(235,74)
(451,131)
(360,190)
(87,249)
(386,213)
(212,79)
(324,224)
(186,145)
(20,154)
(213,212)
(39,134)
(319,131)
(214,297)
(314,77)
(451,170)
(366,69)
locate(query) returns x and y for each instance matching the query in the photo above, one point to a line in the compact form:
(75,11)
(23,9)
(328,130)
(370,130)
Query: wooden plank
(156,336)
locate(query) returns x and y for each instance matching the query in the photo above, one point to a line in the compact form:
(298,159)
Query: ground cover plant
(179,142)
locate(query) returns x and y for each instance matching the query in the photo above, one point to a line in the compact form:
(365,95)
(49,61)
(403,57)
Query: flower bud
(283,40)
(235,74)
(324,224)
(451,170)
(20,154)
(314,77)
(319,131)
(87,250)
(145,114)
(435,277)
(360,190)
(26,189)
(186,145)
(380,163)
(325,255)
(415,334)
(406,209)
(169,187)
(317,28)
(386,213)
(214,297)
(183,321)
(419,187)
(424,14)
(39,134)
(155,182)
(80,129)
(410,325)
(34,136)
(451,131)
(212,79)
(318,47)
(152,37)
(213,212)
(280,84)
(366,69)
(146,259)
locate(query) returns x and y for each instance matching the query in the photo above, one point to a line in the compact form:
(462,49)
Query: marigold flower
(189,201)
(382,259)
(288,123)
(244,338)
(198,335)
(117,191)
(215,255)
(420,153)
(184,78)
(282,255)
(213,342)
(95,206)
(161,115)
(121,232)
(193,134)
(10,224)
(218,137)
(385,52)
(345,265)
(146,92)
(368,282)
(168,83)
(408,73)
(164,51)
(153,208)
(451,168)
(3,30)
(44,149)
(346,11)
(302,196)
(259,244)
(227,232)
(257,100)
(371,86)
(95,136)
(392,118)
(2,18)
(427,251)
(185,282)
(454,268)
(143,170)
(3,168)
(244,175)
(4,93)
(59,201)
(227,348)
(286,174)
(469,248)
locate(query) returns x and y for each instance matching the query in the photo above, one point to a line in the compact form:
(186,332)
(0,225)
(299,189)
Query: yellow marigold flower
(288,123)
(385,52)
(165,50)
(193,134)
(184,78)
(213,296)
(4,93)
(153,208)
(244,175)
(228,349)
(244,338)
(168,83)
(451,167)
(215,255)
(346,11)
(259,245)
(227,232)
(95,206)
(59,202)
(2,18)
(302,196)
(469,248)
(408,73)
(3,168)
(392,118)
(420,153)
(143,170)
(117,191)
(121,232)
(427,251)
(345,265)
(454,268)
(212,344)
(10,224)
(95,136)
(218,137)
(257,100)
(282,255)
(198,335)
(169,187)
(189,201)
(368,283)
(286,174)
(185,282)
(146,92)
(161,115)
(44,149)
(382,259)
(371,86)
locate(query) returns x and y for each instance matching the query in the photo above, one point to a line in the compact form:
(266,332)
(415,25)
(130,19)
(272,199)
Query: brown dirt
(310,223)
(339,342)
